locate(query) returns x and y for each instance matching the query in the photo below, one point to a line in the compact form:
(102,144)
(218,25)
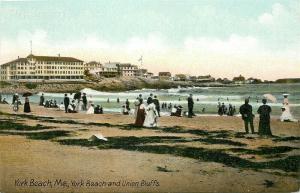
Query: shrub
(31,85)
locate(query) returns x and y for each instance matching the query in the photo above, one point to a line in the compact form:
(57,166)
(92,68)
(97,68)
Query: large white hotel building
(37,68)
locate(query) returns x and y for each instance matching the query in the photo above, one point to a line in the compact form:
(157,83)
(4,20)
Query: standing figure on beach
(140,96)
(27,105)
(151,115)
(264,119)
(66,102)
(77,96)
(286,115)
(224,109)
(42,99)
(190,106)
(157,105)
(150,98)
(220,109)
(247,116)
(140,117)
(15,98)
(91,109)
(230,110)
(84,102)
(136,106)
(170,106)
(127,105)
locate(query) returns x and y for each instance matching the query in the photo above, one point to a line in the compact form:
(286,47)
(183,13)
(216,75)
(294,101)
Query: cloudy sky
(223,38)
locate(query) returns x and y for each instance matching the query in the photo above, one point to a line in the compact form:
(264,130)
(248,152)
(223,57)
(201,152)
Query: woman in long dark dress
(264,119)
(27,105)
(140,117)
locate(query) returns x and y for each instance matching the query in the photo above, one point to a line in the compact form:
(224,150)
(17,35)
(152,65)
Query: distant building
(155,77)
(206,78)
(148,75)
(141,72)
(114,69)
(92,65)
(128,69)
(37,68)
(108,70)
(165,75)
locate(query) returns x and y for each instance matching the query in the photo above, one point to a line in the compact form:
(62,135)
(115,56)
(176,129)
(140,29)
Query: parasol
(27,94)
(270,98)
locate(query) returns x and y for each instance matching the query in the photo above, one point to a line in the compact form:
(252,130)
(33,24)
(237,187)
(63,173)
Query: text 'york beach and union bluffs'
(60,183)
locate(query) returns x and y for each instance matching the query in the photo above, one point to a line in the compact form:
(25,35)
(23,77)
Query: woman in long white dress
(90,101)
(80,104)
(151,116)
(286,113)
(91,109)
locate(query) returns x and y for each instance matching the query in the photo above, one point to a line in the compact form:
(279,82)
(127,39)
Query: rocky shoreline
(109,84)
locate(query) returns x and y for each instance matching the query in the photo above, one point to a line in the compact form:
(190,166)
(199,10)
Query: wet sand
(24,158)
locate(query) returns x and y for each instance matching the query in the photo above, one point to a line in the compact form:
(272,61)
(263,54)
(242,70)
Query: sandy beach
(49,151)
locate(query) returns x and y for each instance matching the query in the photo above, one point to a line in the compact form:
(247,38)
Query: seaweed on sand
(289,164)
(264,150)
(44,135)
(210,140)
(11,125)
(290,138)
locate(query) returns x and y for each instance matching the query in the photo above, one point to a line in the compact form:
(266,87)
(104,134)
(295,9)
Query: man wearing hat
(264,119)
(15,98)
(190,106)
(247,116)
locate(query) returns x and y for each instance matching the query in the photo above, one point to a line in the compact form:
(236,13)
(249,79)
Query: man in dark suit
(247,116)
(157,105)
(84,101)
(42,100)
(190,106)
(66,102)
(149,100)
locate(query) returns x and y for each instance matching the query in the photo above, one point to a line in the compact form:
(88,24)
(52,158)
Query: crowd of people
(147,111)
(147,114)
(223,110)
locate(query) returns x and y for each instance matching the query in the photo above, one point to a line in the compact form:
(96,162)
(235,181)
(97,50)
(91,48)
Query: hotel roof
(16,60)
(44,58)
(54,58)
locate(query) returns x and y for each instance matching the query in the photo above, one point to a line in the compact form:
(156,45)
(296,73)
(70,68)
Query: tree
(239,78)
(181,77)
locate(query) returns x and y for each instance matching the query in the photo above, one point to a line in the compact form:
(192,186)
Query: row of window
(59,62)
(60,67)
(59,72)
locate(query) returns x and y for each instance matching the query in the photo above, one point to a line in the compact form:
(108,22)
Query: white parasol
(270,98)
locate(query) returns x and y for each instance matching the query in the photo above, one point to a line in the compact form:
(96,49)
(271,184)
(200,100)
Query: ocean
(204,97)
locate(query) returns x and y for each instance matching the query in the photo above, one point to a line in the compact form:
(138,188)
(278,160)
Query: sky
(224,38)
